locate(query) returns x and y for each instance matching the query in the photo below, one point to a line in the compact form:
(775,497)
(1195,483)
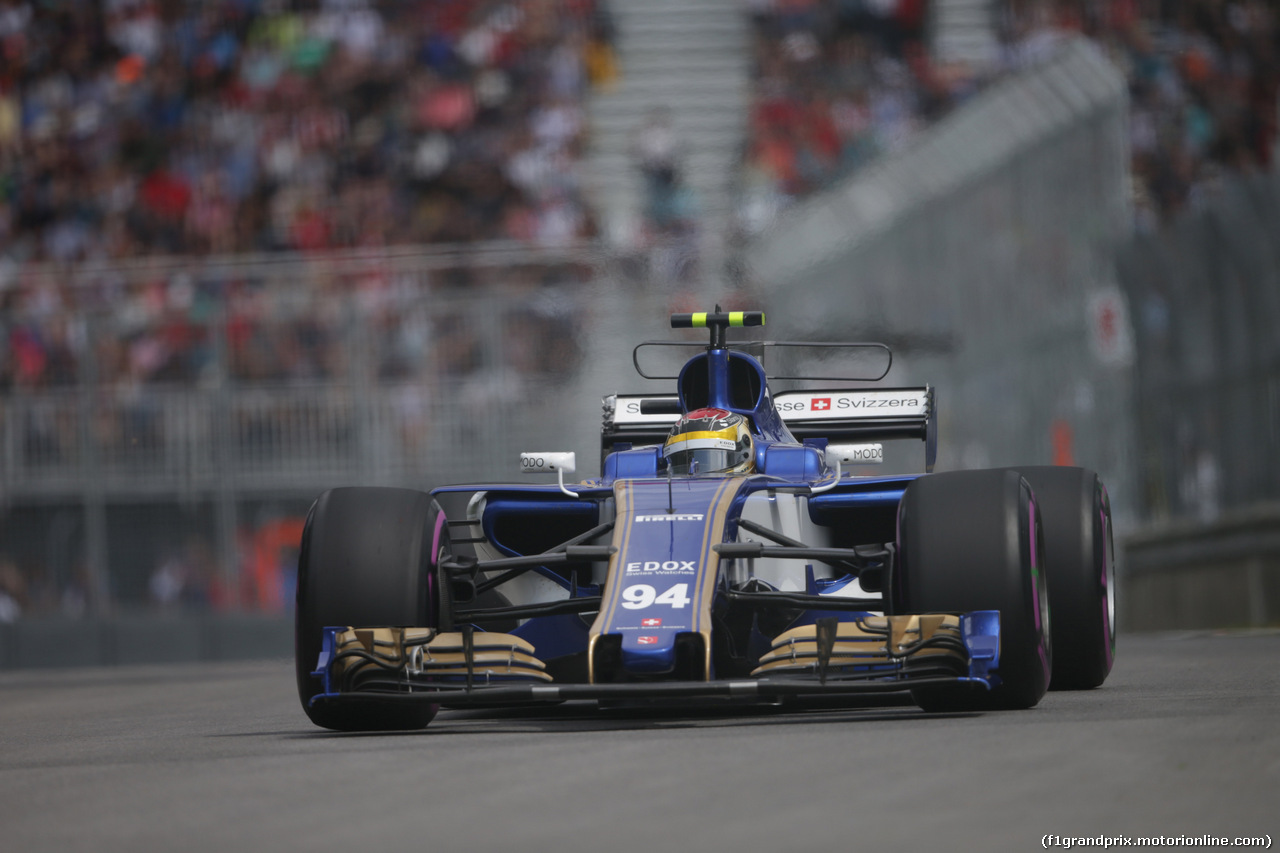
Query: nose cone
(649,651)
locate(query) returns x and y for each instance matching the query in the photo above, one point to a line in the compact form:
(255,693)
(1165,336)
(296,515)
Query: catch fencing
(164,424)
(984,254)
(1205,296)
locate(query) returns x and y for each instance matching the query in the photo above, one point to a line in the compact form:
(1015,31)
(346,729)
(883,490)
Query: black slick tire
(971,540)
(1080,564)
(365,562)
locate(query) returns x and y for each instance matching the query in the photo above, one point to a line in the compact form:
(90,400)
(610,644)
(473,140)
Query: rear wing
(871,414)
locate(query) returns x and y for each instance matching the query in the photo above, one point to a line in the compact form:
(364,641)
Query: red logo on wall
(820,404)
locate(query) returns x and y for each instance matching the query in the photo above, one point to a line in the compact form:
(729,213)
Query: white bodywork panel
(530,587)
(788,514)
(527,588)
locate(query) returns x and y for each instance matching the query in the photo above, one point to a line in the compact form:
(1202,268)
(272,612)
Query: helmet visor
(695,453)
(701,461)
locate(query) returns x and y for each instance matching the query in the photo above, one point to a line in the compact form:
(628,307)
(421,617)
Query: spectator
(670,214)
(657,152)
(192,120)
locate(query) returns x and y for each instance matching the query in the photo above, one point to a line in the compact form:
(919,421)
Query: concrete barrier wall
(1219,574)
(120,640)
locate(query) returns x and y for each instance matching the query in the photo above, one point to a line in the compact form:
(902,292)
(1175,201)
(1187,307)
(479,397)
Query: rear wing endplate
(871,414)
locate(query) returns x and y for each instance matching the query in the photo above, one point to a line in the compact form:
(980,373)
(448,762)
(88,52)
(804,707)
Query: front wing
(872,654)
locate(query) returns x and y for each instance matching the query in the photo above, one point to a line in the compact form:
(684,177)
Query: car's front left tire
(365,561)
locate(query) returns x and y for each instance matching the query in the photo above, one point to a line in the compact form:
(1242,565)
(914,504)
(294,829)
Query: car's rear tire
(365,561)
(971,540)
(1080,565)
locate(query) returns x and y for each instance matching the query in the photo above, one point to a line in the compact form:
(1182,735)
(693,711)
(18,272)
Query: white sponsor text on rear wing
(870,414)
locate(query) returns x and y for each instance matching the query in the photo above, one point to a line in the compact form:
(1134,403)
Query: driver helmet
(710,441)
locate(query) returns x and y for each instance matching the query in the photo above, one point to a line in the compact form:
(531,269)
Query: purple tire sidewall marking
(1035,567)
(431,561)
(1041,650)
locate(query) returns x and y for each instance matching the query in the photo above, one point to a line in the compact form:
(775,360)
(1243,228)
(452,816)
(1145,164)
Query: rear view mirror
(855,454)
(558,463)
(548,463)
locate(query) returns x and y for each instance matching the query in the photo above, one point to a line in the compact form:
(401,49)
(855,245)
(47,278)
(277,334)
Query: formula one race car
(724,554)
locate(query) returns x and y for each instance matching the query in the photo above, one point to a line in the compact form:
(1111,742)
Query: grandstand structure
(691,60)
(385,243)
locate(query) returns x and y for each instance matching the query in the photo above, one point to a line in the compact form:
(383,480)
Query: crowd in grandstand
(193,126)
(1204,78)
(136,127)
(142,127)
(838,82)
(139,128)
(835,84)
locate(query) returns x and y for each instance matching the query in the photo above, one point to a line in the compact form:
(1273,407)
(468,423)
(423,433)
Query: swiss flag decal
(820,404)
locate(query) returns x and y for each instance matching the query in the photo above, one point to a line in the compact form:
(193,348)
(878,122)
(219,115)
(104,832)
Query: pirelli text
(1106,842)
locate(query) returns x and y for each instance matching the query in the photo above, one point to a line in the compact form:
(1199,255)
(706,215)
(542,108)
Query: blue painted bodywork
(664,578)
(665,549)
(674,557)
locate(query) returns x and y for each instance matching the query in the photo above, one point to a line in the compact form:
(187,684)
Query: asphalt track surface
(1184,739)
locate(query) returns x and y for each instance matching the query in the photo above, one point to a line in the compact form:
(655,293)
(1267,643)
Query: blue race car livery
(734,548)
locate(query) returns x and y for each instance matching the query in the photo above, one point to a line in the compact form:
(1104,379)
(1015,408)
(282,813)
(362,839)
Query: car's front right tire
(972,540)
(1080,564)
